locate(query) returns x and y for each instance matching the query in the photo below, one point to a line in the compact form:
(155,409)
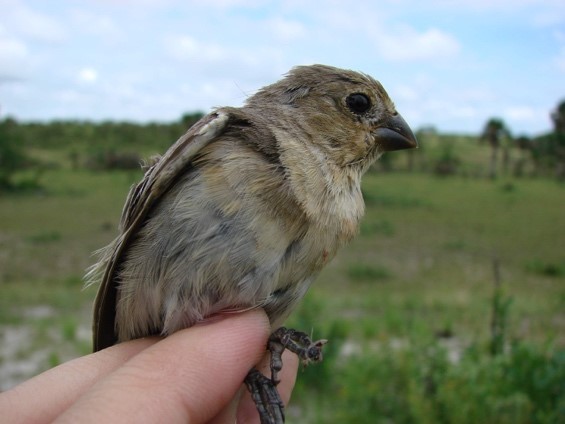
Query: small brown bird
(246,208)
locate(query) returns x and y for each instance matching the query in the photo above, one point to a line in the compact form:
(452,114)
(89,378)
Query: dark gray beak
(395,134)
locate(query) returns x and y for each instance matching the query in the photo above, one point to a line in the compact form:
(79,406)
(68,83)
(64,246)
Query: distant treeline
(84,134)
(122,145)
(85,144)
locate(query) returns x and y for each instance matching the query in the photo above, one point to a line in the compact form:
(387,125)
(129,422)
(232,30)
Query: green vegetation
(467,325)
(448,307)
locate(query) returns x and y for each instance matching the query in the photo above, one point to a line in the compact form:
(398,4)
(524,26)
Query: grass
(407,306)
(365,272)
(438,297)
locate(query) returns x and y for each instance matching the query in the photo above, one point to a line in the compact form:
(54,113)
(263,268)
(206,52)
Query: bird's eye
(358,103)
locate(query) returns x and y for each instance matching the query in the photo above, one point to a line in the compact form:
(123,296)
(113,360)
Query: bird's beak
(395,134)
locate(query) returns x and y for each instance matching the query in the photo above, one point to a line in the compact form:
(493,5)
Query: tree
(12,157)
(524,145)
(558,118)
(496,134)
(548,150)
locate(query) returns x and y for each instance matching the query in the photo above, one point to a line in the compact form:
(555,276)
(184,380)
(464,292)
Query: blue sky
(450,64)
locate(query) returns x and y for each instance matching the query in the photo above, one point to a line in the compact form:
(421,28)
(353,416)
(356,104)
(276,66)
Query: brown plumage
(246,208)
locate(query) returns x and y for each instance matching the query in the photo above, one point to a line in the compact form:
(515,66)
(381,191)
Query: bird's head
(347,115)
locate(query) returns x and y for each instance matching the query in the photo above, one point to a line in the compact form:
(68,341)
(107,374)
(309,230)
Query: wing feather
(141,198)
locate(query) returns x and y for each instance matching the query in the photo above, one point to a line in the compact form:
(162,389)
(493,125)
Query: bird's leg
(266,397)
(298,343)
(263,390)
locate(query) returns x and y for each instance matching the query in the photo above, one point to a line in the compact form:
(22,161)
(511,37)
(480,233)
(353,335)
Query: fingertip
(237,333)
(256,317)
(259,318)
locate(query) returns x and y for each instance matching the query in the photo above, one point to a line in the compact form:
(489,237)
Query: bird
(246,208)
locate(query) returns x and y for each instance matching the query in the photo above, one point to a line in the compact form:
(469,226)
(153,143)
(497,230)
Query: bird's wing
(142,197)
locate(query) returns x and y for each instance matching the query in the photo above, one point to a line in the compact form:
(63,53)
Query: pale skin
(192,376)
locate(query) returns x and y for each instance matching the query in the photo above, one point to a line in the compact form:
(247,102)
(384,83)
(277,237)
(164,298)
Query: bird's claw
(266,397)
(298,343)
(263,390)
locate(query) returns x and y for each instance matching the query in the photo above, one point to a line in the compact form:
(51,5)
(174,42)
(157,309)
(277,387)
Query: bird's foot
(266,397)
(263,390)
(295,341)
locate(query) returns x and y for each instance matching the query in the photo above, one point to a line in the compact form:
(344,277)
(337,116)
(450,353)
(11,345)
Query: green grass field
(407,306)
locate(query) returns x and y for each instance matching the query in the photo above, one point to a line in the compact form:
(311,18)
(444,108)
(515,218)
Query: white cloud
(69,96)
(211,61)
(186,47)
(20,32)
(393,38)
(537,13)
(405,92)
(24,21)
(285,29)
(101,26)
(521,113)
(559,59)
(464,111)
(14,59)
(484,5)
(407,44)
(230,4)
(548,18)
(155,59)
(87,75)
(559,36)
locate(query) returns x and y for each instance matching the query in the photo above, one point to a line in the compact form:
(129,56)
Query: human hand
(194,376)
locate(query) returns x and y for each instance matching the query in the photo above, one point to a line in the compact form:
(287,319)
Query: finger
(247,411)
(56,389)
(187,377)
(229,413)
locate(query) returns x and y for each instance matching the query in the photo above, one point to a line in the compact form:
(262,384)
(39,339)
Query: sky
(447,64)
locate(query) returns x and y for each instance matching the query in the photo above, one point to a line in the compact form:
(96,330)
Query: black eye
(358,103)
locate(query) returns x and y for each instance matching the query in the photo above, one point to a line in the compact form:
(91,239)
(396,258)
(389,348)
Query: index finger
(187,377)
